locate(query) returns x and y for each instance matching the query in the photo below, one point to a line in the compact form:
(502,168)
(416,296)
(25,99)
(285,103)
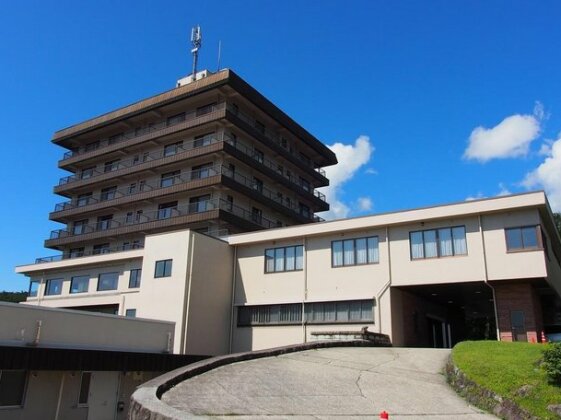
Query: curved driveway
(330,383)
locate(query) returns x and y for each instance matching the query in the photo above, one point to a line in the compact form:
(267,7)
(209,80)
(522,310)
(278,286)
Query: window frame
(165,269)
(49,282)
(116,281)
(135,284)
(267,308)
(87,276)
(79,402)
(23,388)
(342,241)
(284,248)
(31,283)
(436,231)
(539,239)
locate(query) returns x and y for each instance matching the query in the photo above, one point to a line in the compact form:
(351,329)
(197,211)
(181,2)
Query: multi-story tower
(212,155)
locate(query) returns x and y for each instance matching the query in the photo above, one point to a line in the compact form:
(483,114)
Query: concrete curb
(482,397)
(146,401)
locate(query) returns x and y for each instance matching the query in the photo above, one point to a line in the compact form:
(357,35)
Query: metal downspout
(235,264)
(387,285)
(487,276)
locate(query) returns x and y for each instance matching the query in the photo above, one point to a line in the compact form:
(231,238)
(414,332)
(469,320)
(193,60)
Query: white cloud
(477,196)
(351,158)
(548,176)
(503,190)
(364,204)
(510,138)
(371,171)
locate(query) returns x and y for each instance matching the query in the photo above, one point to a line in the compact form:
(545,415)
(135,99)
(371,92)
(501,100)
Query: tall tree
(14,297)
(557,218)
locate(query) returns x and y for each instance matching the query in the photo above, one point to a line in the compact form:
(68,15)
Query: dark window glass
(107,281)
(203,140)
(163,268)
(176,119)
(130,313)
(108,193)
(169,178)
(104,222)
(202,171)
(522,238)
(53,287)
(79,227)
(270,314)
(167,210)
(340,312)
(79,284)
(33,288)
(134,279)
(83,199)
(101,249)
(355,251)
(84,388)
(12,387)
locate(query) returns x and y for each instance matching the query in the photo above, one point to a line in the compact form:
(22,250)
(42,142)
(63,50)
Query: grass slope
(505,368)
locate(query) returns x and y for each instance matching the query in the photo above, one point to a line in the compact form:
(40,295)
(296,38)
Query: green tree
(14,297)
(557,218)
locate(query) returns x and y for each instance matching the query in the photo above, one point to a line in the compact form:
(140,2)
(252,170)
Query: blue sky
(398,89)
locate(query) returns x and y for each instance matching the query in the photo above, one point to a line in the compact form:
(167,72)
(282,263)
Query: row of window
(352,311)
(13,384)
(434,243)
(289,258)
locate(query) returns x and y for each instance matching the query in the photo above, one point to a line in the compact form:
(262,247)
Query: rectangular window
(111,166)
(87,173)
(289,258)
(104,222)
(107,281)
(130,313)
(33,288)
(163,268)
(339,312)
(12,387)
(79,227)
(199,204)
(305,184)
(76,252)
(79,284)
(167,210)
(203,140)
(169,178)
(53,287)
(357,251)
(201,171)
(258,155)
(83,199)
(172,149)
(286,314)
(522,238)
(108,193)
(176,119)
(203,110)
(92,146)
(84,388)
(256,215)
(101,249)
(435,243)
(257,184)
(134,278)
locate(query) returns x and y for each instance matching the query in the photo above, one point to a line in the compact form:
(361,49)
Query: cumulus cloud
(508,139)
(548,175)
(371,171)
(477,196)
(364,204)
(503,190)
(351,158)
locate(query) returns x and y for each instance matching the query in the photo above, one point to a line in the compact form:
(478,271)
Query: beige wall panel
(258,338)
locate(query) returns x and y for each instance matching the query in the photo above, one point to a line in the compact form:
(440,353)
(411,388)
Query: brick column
(518,297)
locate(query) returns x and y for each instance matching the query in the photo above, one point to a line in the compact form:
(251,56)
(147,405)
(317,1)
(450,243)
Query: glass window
(529,237)
(130,313)
(12,387)
(176,119)
(83,199)
(433,243)
(355,251)
(163,268)
(53,287)
(79,227)
(134,278)
(108,193)
(172,149)
(79,284)
(167,210)
(289,258)
(202,171)
(270,314)
(104,222)
(169,178)
(203,140)
(101,249)
(522,238)
(340,312)
(33,288)
(84,388)
(107,281)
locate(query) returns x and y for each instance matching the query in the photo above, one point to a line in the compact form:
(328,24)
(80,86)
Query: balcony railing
(185,177)
(79,254)
(271,135)
(167,213)
(138,132)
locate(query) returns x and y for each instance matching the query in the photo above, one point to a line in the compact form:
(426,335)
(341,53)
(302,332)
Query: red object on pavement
(384,415)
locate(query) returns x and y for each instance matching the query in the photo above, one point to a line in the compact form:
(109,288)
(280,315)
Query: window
(169,178)
(201,171)
(258,155)
(522,238)
(79,227)
(134,278)
(202,110)
(176,119)
(257,184)
(92,146)
(84,388)
(33,288)
(199,204)
(304,210)
(132,188)
(76,252)
(357,251)
(79,284)
(101,249)
(111,166)
(289,258)
(115,138)
(260,127)
(167,210)
(87,173)
(83,199)
(108,193)
(270,314)
(203,140)
(172,149)
(104,222)
(305,184)
(434,243)
(107,281)
(12,387)
(130,313)
(339,312)
(53,287)
(256,215)
(163,268)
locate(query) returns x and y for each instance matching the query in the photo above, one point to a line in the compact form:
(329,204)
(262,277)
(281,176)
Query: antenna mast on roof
(196,41)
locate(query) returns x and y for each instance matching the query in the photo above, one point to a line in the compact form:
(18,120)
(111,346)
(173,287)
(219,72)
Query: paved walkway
(331,383)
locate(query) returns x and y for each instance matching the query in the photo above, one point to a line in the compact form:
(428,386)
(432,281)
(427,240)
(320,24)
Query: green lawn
(504,368)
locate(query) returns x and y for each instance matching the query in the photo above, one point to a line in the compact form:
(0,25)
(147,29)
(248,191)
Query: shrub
(552,362)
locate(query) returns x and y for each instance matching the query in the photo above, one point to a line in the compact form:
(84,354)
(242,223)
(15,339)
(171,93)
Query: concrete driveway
(330,383)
